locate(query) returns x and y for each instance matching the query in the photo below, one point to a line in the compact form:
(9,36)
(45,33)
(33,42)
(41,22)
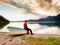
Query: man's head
(25,20)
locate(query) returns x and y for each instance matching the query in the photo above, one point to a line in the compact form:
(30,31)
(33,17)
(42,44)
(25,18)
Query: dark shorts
(27,29)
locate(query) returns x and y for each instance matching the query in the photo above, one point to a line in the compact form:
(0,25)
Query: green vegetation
(23,38)
(3,22)
(41,41)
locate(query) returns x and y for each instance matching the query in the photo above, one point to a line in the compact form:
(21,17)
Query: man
(26,28)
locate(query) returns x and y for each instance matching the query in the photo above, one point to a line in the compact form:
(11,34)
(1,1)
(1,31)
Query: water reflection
(39,28)
(49,28)
(51,24)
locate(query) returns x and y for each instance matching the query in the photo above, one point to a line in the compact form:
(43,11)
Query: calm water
(40,27)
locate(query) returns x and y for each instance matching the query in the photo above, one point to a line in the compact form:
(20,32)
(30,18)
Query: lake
(40,27)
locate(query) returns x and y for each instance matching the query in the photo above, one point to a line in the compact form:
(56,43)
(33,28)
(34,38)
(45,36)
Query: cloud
(0,5)
(26,16)
(8,4)
(56,2)
(36,6)
(17,16)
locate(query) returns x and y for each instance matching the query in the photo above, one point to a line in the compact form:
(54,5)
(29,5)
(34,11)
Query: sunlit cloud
(48,8)
(17,16)
(56,2)
(8,4)
(24,16)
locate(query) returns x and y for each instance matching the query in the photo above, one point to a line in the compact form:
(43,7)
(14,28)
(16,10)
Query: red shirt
(25,25)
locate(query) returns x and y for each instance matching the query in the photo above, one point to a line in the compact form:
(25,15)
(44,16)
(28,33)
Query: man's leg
(31,31)
(27,31)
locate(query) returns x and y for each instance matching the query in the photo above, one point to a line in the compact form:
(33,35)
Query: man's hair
(25,20)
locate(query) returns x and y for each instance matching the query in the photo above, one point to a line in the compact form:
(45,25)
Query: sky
(18,10)
(16,14)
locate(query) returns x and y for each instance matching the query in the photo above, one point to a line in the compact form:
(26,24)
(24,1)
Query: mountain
(51,18)
(3,22)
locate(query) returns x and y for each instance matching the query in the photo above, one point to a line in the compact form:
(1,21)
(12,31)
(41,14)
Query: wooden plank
(15,31)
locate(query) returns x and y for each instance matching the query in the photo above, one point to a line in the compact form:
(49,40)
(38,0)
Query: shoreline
(24,34)
(23,39)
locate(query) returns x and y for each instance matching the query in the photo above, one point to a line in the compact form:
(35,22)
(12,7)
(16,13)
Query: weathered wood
(16,31)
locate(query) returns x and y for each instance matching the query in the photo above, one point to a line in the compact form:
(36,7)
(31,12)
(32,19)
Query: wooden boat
(16,31)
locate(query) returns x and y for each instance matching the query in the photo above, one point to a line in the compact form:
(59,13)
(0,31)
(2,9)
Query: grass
(41,41)
(23,38)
